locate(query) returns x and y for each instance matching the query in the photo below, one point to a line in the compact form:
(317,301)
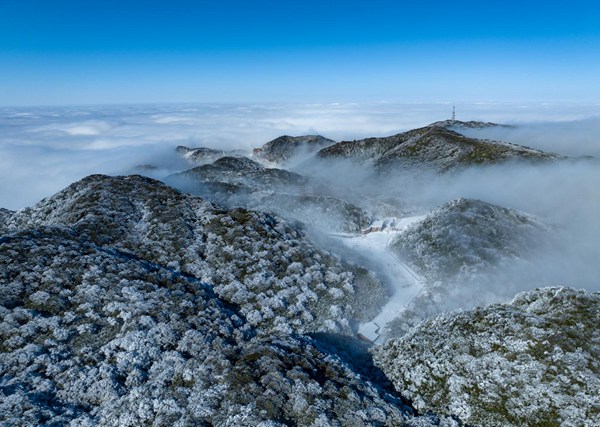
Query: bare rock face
(434,147)
(534,361)
(284,148)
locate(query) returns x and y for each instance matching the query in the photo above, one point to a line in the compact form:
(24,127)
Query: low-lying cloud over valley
(43,149)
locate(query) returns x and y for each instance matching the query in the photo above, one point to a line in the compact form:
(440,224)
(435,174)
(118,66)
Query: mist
(574,138)
(563,194)
(42,150)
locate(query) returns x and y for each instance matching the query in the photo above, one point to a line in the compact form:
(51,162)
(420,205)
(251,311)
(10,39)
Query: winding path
(403,281)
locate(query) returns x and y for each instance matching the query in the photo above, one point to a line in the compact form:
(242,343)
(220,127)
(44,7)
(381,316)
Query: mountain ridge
(90,337)
(252,259)
(532,361)
(240,181)
(285,147)
(434,146)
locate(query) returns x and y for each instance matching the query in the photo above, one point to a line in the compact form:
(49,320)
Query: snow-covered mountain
(5,214)
(91,335)
(280,280)
(240,294)
(204,155)
(245,171)
(534,361)
(434,147)
(282,149)
(471,124)
(466,237)
(240,181)
(461,248)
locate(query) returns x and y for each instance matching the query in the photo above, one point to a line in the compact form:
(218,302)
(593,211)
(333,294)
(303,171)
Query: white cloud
(44,149)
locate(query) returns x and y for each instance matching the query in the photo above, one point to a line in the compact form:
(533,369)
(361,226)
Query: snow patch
(405,284)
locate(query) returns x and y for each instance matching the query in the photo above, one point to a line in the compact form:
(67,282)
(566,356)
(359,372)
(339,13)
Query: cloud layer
(44,149)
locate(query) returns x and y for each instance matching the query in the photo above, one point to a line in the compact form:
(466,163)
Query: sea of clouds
(44,149)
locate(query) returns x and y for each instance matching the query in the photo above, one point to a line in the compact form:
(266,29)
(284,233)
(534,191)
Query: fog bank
(43,149)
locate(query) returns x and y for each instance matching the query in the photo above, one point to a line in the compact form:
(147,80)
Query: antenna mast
(453,113)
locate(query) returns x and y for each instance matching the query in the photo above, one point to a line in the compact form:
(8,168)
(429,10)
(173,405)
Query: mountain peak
(203,155)
(437,147)
(472,124)
(283,148)
(239,163)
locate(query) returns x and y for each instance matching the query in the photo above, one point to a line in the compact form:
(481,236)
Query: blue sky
(108,51)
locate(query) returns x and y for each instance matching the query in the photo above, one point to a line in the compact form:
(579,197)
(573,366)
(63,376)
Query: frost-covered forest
(232,291)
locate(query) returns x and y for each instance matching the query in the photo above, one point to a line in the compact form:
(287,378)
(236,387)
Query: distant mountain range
(435,147)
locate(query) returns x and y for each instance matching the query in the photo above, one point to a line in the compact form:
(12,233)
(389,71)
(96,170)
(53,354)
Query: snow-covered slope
(471,124)
(124,301)
(204,155)
(239,181)
(461,248)
(404,283)
(5,214)
(92,336)
(466,237)
(432,147)
(535,361)
(266,266)
(282,149)
(244,171)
